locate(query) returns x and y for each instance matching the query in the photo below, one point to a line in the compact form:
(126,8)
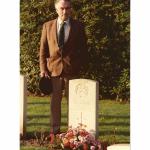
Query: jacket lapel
(54,32)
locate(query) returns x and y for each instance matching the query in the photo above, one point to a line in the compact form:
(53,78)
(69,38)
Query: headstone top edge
(83,80)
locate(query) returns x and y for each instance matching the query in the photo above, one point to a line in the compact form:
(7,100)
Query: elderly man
(63,51)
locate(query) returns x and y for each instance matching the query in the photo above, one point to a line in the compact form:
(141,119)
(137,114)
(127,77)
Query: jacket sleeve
(44,51)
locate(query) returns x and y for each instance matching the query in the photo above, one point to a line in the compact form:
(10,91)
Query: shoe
(52,138)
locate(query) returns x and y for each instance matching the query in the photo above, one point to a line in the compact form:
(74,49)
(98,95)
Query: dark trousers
(58,83)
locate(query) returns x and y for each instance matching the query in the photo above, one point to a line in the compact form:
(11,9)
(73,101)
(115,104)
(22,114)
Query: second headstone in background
(23,104)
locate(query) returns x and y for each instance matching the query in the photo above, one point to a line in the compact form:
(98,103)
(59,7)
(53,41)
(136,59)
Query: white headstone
(119,147)
(23,104)
(83,104)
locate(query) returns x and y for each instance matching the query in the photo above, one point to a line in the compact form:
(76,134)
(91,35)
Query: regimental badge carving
(81,90)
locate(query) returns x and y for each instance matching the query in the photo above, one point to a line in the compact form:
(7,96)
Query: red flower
(78,137)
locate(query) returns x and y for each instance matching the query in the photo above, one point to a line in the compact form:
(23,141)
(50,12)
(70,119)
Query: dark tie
(61,36)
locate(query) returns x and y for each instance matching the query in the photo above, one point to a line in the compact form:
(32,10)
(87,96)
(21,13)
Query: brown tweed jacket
(74,53)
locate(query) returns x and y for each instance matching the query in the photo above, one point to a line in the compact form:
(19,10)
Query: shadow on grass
(64,116)
(101,123)
(44,124)
(114,116)
(114,124)
(38,116)
(124,133)
(38,124)
(37,103)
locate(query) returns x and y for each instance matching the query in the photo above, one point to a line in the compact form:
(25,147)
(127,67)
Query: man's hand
(44,74)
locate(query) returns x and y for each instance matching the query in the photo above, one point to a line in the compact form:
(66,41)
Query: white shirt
(66,28)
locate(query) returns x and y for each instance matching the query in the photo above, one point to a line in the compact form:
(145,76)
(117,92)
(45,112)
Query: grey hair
(56,2)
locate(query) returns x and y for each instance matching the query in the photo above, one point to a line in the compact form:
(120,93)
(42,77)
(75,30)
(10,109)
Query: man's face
(63,9)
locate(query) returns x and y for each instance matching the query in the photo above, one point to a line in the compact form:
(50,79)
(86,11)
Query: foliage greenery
(107,26)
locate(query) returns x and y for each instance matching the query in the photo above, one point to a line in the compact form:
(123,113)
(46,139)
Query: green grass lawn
(114,119)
